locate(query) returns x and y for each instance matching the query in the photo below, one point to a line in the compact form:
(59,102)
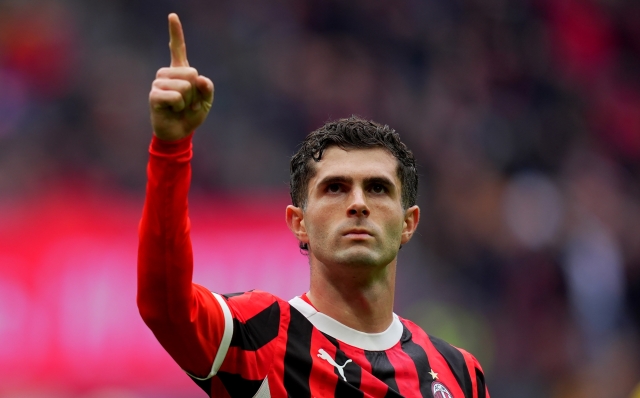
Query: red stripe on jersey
(406,374)
(468,359)
(251,365)
(477,375)
(323,380)
(437,361)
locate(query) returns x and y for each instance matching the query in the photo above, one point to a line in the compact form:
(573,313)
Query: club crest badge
(440,391)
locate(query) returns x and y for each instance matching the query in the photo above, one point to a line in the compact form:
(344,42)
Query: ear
(411,219)
(295,222)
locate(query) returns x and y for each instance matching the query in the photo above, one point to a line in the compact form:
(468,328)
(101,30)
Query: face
(354,213)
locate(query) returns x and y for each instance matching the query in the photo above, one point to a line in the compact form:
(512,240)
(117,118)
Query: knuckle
(154,98)
(160,94)
(186,86)
(162,72)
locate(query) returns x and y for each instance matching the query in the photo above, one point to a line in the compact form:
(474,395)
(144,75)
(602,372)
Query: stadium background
(524,117)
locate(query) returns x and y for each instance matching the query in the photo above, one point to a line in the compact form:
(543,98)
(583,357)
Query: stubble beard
(355,255)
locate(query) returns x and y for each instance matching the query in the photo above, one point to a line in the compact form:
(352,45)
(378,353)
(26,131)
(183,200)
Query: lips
(357,232)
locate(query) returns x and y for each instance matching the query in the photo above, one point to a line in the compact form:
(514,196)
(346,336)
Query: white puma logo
(324,355)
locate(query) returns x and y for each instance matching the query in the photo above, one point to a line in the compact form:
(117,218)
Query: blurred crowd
(524,116)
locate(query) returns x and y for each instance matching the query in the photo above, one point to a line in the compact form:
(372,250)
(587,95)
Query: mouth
(357,234)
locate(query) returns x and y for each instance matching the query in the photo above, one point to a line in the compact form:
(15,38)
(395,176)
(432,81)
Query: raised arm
(186,318)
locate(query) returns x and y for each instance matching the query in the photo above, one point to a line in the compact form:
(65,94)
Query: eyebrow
(335,179)
(348,180)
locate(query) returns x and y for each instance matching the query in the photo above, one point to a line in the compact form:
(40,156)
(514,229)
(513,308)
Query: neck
(360,298)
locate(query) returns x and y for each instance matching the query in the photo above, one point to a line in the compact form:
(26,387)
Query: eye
(378,188)
(333,188)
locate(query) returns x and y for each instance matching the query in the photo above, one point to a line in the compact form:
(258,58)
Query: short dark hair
(351,133)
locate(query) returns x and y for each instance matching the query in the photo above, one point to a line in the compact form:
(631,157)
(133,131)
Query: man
(353,185)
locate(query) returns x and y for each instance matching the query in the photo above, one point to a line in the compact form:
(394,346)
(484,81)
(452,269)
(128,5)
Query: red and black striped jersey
(255,344)
(276,348)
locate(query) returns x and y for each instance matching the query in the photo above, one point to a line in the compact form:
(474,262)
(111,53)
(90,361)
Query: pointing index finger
(176,42)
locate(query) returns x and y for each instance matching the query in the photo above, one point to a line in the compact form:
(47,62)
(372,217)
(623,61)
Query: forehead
(355,163)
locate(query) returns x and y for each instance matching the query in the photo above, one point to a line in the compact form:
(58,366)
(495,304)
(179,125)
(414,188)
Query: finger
(184,87)
(205,89)
(161,99)
(176,42)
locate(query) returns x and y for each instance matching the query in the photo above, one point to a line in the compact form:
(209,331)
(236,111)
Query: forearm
(165,261)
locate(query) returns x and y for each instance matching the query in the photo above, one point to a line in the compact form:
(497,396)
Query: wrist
(159,145)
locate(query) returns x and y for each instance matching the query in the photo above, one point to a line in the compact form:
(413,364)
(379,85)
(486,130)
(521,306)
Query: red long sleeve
(185,317)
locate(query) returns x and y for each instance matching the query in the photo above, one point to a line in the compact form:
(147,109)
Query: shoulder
(247,305)
(442,346)
(464,365)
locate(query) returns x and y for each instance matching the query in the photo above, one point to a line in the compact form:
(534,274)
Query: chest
(321,366)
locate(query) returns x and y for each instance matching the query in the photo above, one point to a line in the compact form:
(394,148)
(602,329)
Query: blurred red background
(68,319)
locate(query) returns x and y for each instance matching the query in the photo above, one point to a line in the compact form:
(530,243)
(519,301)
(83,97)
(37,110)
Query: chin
(355,257)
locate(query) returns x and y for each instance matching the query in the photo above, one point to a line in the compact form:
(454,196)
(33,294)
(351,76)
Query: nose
(358,206)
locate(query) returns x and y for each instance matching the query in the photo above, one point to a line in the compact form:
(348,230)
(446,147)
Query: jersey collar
(366,341)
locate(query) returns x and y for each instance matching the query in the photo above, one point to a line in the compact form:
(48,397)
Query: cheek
(394,232)
(395,226)
(318,224)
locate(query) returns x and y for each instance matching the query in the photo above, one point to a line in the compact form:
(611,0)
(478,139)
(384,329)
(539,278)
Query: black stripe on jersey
(392,394)
(204,384)
(382,369)
(297,357)
(258,330)
(420,359)
(481,384)
(352,372)
(237,386)
(229,295)
(456,363)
